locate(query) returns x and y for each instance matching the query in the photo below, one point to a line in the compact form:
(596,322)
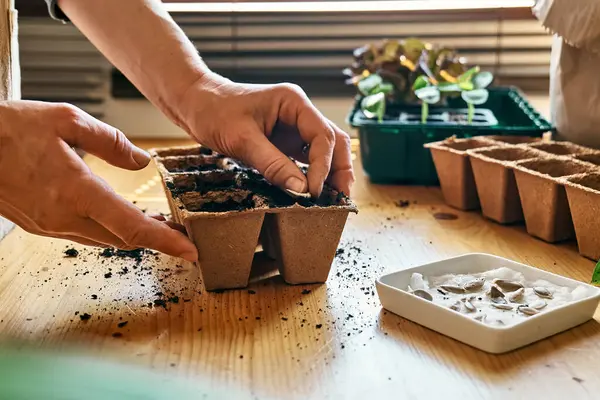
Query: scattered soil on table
(85,316)
(71,253)
(402,203)
(161,285)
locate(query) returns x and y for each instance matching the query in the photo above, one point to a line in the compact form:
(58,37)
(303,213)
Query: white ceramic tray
(392,291)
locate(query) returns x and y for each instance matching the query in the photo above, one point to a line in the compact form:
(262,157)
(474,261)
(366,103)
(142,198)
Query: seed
(496,295)
(479,317)
(502,306)
(474,284)
(527,310)
(455,306)
(542,292)
(538,304)
(298,194)
(469,306)
(517,294)
(423,294)
(508,286)
(452,288)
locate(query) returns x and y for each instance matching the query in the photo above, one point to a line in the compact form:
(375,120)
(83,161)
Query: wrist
(197,96)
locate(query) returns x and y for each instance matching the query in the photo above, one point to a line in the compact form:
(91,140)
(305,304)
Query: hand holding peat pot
(48,190)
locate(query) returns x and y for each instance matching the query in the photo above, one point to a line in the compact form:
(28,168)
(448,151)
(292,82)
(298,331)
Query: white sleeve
(577,22)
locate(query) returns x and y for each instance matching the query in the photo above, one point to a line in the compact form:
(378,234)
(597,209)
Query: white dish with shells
(488,302)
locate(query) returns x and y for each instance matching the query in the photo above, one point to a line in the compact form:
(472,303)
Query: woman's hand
(258,124)
(46,189)
(262,125)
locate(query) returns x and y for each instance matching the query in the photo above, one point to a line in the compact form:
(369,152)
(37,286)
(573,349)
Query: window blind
(309,49)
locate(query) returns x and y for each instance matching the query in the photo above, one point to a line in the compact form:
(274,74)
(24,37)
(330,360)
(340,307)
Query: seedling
(410,71)
(471,85)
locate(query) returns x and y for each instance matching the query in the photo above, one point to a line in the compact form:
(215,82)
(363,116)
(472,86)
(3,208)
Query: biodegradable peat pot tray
(515,139)
(227,207)
(583,192)
(560,148)
(454,170)
(543,196)
(495,180)
(592,157)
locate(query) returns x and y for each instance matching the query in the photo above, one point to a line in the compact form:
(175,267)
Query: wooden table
(279,341)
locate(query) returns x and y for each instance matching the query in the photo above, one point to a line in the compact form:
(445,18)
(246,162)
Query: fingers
(134,228)
(170,224)
(102,140)
(276,167)
(342,175)
(158,217)
(314,129)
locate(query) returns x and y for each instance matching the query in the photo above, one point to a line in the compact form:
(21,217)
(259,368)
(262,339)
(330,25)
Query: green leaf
(596,275)
(374,106)
(429,94)
(384,87)
(466,85)
(390,49)
(483,79)
(367,85)
(420,82)
(468,75)
(448,87)
(475,97)
(412,48)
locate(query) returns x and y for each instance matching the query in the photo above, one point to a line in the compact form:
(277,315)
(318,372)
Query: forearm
(142,40)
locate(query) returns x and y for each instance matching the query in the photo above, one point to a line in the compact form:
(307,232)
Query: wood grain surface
(286,342)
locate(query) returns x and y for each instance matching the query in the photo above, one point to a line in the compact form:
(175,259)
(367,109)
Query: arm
(242,121)
(144,42)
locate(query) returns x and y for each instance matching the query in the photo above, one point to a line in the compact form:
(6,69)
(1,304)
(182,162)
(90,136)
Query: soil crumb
(71,253)
(85,316)
(402,203)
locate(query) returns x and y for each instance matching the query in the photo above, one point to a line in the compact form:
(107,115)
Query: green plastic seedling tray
(392,151)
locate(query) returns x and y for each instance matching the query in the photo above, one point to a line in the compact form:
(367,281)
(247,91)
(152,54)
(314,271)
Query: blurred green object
(392,150)
(32,374)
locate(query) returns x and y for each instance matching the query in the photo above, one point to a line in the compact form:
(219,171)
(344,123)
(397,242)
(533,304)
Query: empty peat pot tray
(228,210)
(543,195)
(495,180)
(488,302)
(583,192)
(454,171)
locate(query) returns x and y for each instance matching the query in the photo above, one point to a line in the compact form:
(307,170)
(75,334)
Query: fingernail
(141,157)
(190,256)
(295,184)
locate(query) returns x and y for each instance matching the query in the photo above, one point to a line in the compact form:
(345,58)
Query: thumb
(275,166)
(104,141)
